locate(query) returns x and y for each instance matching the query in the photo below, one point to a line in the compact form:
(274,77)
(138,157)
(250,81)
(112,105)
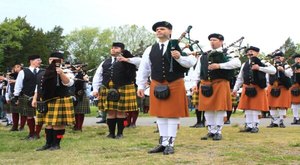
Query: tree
(136,39)
(89,45)
(11,35)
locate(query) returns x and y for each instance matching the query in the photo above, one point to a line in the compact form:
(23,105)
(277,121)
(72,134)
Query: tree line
(90,45)
(19,39)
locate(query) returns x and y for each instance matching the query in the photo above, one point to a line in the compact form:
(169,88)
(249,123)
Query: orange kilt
(259,102)
(220,99)
(282,101)
(176,105)
(295,99)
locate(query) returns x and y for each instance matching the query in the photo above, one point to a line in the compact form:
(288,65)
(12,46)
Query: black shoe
(101,121)
(132,126)
(157,149)
(8,124)
(254,130)
(53,148)
(246,129)
(99,116)
(197,125)
(29,138)
(227,122)
(111,136)
(217,136)
(272,125)
(14,129)
(209,135)
(281,125)
(119,136)
(43,148)
(168,150)
(295,121)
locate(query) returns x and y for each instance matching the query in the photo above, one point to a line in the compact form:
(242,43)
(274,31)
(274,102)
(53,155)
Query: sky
(264,24)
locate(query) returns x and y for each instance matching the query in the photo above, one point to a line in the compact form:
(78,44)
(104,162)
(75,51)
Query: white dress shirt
(240,79)
(98,77)
(233,63)
(145,66)
(19,80)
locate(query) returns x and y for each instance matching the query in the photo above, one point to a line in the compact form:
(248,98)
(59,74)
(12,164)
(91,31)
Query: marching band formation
(56,97)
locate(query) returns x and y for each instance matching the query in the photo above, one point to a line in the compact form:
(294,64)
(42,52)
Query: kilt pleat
(60,112)
(127,101)
(83,106)
(23,107)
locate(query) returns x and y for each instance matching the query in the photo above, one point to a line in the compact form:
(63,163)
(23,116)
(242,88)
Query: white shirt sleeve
(135,61)
(288,72)
(239,80)
(268,69)
(19,83)
(7,93)
(233,63)
(187,61)
(97,79)
(144,70)
(196,74)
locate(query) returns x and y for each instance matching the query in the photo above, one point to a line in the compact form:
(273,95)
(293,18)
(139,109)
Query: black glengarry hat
(162,24)
(256,49)
(119,44)
(216,35)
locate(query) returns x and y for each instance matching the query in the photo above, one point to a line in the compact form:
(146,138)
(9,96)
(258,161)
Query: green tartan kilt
(60,112)
(195,99)
(127,102)
(14,109)
(23,107)
(6,108)
(83,106)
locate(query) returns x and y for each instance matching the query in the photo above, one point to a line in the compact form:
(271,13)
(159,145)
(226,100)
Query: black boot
(169,149)
(49,140)
(112,127)
(246,128)
(120,124)
(158,148)
(281,124)
(295,121)
(255,128)
(198,117)
(57,136)
(272,123)
(228,117)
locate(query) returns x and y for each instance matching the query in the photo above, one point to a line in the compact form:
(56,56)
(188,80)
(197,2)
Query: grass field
(269,146)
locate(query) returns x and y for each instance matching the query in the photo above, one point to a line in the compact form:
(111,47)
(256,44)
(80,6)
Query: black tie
(34,71)
(162,49)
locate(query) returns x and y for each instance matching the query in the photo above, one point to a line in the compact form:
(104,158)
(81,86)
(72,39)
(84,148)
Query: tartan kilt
(6,108)
(83,106)
(14,109)
(127,102)
(40,118)
(60,112)
(23,107)
(195,98)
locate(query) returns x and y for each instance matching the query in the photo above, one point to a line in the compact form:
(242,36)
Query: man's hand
(95,94)
(122,59)
(280,68)
(213,66)
(195,89)
(140,93)
(234,93)
(175,54)
(255,67)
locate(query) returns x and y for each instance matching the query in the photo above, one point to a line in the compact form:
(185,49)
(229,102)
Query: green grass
(269,146)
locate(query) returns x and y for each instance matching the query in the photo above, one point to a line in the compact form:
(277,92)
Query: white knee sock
(210,121)
(295,108)
(249,118)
